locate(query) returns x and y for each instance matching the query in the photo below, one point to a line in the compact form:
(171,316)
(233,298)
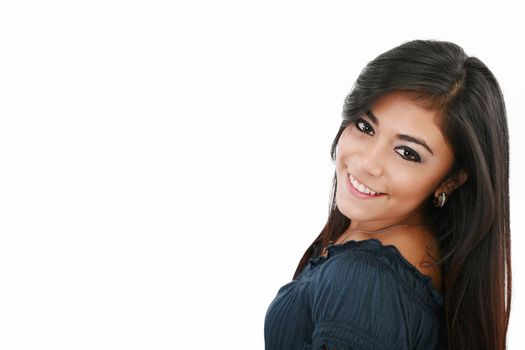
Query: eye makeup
(403,137)
(407,154)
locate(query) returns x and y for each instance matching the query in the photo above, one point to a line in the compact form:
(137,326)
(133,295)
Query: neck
(376,227)
(415,218)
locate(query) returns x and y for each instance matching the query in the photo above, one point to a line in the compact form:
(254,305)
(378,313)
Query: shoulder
(356,276)
(357,261)
(364,294)
(384,271)
(420,250)
(361,294)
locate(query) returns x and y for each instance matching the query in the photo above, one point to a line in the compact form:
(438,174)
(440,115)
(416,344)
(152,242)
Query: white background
(164,165)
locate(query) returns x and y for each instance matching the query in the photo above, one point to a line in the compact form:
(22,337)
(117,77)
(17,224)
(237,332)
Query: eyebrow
(402,136)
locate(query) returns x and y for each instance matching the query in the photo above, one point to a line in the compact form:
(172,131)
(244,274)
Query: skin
(384,163)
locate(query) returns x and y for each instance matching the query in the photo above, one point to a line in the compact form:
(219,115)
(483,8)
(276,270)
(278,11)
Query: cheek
(409,186)
(351,142)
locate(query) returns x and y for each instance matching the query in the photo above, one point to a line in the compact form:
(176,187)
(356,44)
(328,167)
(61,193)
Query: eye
(365,128)
(409,154)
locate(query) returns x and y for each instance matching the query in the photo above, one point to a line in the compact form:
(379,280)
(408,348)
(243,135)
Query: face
(405,169)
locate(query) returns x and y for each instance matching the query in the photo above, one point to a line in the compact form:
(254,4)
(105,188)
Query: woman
(416,250)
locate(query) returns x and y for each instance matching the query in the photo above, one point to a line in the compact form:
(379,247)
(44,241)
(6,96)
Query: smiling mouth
(361,188)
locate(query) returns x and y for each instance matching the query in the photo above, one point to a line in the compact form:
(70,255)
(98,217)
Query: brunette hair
(473,228)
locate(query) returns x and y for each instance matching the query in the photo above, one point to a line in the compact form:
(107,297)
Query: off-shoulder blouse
(361,295)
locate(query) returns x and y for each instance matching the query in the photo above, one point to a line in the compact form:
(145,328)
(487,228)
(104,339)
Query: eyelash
(416,156)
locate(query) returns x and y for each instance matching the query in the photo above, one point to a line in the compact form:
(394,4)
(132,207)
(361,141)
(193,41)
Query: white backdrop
(165,165)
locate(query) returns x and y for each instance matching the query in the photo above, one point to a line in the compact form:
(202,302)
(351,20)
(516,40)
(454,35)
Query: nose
(372,161)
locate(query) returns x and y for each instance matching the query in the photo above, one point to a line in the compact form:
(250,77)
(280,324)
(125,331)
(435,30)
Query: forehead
(397,113)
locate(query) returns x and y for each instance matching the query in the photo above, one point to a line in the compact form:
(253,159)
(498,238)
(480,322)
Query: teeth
(360,187)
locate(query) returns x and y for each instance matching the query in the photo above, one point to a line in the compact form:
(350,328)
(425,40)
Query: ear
(451,183)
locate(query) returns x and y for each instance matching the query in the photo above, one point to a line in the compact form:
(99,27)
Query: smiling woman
(404,155)
(415,253)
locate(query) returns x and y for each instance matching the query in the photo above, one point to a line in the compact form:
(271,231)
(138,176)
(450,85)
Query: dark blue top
(362,295)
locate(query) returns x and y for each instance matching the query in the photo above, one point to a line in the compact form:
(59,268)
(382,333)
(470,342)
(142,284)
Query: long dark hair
(473,228)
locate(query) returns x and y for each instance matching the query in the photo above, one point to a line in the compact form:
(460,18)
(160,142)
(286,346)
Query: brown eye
(409,154)
(363,126)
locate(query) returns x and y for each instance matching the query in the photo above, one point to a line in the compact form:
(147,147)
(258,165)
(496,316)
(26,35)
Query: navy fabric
(362,295)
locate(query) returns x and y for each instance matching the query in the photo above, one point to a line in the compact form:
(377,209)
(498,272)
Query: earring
(440,200)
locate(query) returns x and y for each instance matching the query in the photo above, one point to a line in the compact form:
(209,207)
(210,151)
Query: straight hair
(473,228)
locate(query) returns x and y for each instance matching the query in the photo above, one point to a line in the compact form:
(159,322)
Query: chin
(351,213)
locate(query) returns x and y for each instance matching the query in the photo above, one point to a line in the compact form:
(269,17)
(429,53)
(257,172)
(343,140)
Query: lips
(358,194)
(359,183)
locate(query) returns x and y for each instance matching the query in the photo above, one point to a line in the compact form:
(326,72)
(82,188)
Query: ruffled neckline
(390,255)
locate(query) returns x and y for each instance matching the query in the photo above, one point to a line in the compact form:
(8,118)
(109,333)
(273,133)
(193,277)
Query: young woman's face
(405,171)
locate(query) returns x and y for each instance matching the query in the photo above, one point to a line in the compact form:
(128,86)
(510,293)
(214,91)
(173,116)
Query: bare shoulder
(421,249)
